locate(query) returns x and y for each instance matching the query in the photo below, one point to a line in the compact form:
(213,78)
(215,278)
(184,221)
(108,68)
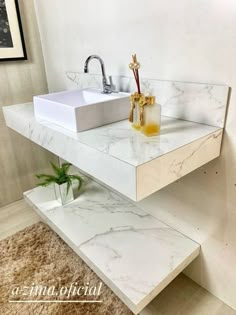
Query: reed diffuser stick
(135,65)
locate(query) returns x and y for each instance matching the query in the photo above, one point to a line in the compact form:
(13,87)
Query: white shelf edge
(133,181)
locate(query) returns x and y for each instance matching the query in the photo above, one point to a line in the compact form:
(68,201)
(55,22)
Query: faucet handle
(110,88)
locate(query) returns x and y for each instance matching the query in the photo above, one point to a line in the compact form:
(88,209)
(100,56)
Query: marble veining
(119,140)
(135,161)
(201,103)
(177,167)
(133,252)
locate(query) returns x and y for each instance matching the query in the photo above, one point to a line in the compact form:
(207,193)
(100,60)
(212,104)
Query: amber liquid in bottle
(152,120)
(151,129)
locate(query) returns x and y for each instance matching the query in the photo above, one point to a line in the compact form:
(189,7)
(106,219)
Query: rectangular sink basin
(80,110)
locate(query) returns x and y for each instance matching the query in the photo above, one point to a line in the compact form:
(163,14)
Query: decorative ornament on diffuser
(145,113)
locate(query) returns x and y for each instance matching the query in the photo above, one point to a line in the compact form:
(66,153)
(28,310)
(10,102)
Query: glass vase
(63,195)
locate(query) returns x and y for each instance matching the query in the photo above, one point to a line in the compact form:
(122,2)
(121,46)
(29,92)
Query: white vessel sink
(81,110)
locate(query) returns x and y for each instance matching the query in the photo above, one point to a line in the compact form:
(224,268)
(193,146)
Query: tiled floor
(181,297)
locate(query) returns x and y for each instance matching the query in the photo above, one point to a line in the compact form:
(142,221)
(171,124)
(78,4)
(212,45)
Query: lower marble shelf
(135,254)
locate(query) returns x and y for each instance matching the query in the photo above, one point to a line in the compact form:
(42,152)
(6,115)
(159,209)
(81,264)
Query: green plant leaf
(69,184)
(43,184)
(57,170)
(46,177)
(65,167)
(61,176)
(39,176)
(78,178)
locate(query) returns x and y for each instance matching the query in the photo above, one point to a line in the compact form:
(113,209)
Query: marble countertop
(119,150)
(120,141)
(135,254)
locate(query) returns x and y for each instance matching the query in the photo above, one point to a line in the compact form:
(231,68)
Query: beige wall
(19,81)
(185,40)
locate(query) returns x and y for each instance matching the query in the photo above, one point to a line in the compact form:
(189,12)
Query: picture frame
(12,44)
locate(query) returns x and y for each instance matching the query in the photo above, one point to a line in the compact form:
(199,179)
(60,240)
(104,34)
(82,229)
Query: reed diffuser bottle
(152,118)
(145,113)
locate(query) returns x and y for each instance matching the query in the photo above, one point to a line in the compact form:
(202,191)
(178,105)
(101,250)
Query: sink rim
(107,97)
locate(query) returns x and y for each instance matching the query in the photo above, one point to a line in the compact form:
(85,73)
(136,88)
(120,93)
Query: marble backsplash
(197,102)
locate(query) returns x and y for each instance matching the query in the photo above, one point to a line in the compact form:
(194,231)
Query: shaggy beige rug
(37,256)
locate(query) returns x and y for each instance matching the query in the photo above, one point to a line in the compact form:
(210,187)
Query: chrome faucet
(107,88)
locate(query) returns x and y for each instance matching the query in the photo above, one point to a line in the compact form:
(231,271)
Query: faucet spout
(106,87)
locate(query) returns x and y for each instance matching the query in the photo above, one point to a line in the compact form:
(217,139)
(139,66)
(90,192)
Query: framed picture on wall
(12,45)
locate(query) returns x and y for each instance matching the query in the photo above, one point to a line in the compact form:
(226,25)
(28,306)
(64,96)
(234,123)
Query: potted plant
(62,182)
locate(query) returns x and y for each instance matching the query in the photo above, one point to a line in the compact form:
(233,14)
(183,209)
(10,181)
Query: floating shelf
(135,254)
(121,158)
